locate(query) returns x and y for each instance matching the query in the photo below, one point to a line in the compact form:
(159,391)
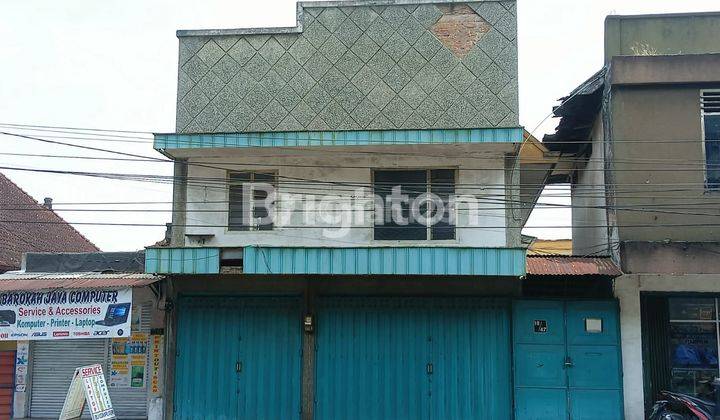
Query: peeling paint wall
(389,66)
(670,173)
(589,216)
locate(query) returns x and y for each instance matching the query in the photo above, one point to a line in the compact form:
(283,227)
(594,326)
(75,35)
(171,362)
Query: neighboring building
(644,136)
(44,230)
(333,310)
(551,247)
(95,308)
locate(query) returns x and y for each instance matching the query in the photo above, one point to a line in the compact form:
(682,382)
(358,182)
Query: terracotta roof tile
(19,238)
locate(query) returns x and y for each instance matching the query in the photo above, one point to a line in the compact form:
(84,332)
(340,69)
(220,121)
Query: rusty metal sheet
(39,281)
(571,266)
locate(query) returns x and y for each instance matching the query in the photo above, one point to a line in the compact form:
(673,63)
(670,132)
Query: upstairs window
(414,204)
(710,105)
(248,204)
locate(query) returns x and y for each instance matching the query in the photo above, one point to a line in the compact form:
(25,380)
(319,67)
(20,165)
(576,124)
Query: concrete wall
(692,33)
(355,65)
(589,216)
(659,160)
(627,290)
(481,174)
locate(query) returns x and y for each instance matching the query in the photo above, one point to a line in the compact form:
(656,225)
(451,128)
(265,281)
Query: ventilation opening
(710,101)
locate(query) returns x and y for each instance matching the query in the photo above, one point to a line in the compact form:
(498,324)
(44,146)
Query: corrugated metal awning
(86,280)
(558,265)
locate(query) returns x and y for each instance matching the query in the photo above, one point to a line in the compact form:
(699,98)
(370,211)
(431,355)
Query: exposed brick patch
(459,28)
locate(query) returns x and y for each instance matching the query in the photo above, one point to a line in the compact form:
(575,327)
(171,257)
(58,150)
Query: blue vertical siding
(182,260)
(385,260)
(216,333)
(373,353)
(338,138)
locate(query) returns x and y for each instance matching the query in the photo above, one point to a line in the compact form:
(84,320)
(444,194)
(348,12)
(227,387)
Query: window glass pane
(442,184)
(693,357)
(690,308)
(712,150)
(238,181)
(412,184)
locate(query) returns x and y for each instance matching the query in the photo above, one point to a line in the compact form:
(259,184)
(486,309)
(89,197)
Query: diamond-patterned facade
(357,67)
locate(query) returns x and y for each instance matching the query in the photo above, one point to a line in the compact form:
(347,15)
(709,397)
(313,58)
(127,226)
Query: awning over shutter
(37,281)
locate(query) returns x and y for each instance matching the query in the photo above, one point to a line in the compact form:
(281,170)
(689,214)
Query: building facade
(66,311)
(22,230)
(304,282)
(643,136)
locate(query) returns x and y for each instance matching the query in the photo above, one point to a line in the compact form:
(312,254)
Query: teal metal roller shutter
(238,358)
(413,358)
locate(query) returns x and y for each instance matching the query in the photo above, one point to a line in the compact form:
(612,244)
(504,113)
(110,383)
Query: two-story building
(346,226)
(642,141)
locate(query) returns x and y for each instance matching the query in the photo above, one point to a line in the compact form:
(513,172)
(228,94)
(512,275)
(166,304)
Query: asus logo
(40,334)
(104,332)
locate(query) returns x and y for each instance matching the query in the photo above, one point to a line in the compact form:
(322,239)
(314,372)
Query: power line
(75,128)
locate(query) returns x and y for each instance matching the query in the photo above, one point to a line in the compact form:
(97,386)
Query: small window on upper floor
(710,105)
(250,199)
(414,204)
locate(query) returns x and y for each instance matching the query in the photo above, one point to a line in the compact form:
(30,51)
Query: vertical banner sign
(88,386)
(128,360)
(21,365)
(62,314)
(157,342)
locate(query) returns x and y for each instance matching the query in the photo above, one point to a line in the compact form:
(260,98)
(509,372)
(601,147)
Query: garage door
(238,358)
(54,363)
(413,358)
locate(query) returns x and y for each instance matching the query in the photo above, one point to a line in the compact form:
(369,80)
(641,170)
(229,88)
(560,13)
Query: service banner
(65,314)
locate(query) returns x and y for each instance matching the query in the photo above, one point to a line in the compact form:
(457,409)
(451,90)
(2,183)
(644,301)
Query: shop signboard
(65,314)
(88,387)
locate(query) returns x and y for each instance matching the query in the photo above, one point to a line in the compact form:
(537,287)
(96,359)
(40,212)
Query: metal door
(413,358)
(7,383)
(567,360)
(238,358)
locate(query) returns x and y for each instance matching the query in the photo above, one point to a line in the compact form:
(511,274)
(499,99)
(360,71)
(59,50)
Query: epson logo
(103,332)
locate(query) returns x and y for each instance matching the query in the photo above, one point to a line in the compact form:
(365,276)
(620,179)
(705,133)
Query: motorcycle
(677,406)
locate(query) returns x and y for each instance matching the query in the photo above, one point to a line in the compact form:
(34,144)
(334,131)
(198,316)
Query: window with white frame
(710,106)
(248,200)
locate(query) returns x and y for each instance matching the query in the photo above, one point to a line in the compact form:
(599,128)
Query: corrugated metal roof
(559,265)
(39,281)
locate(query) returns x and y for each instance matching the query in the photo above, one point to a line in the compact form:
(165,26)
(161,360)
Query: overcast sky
(112,64)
